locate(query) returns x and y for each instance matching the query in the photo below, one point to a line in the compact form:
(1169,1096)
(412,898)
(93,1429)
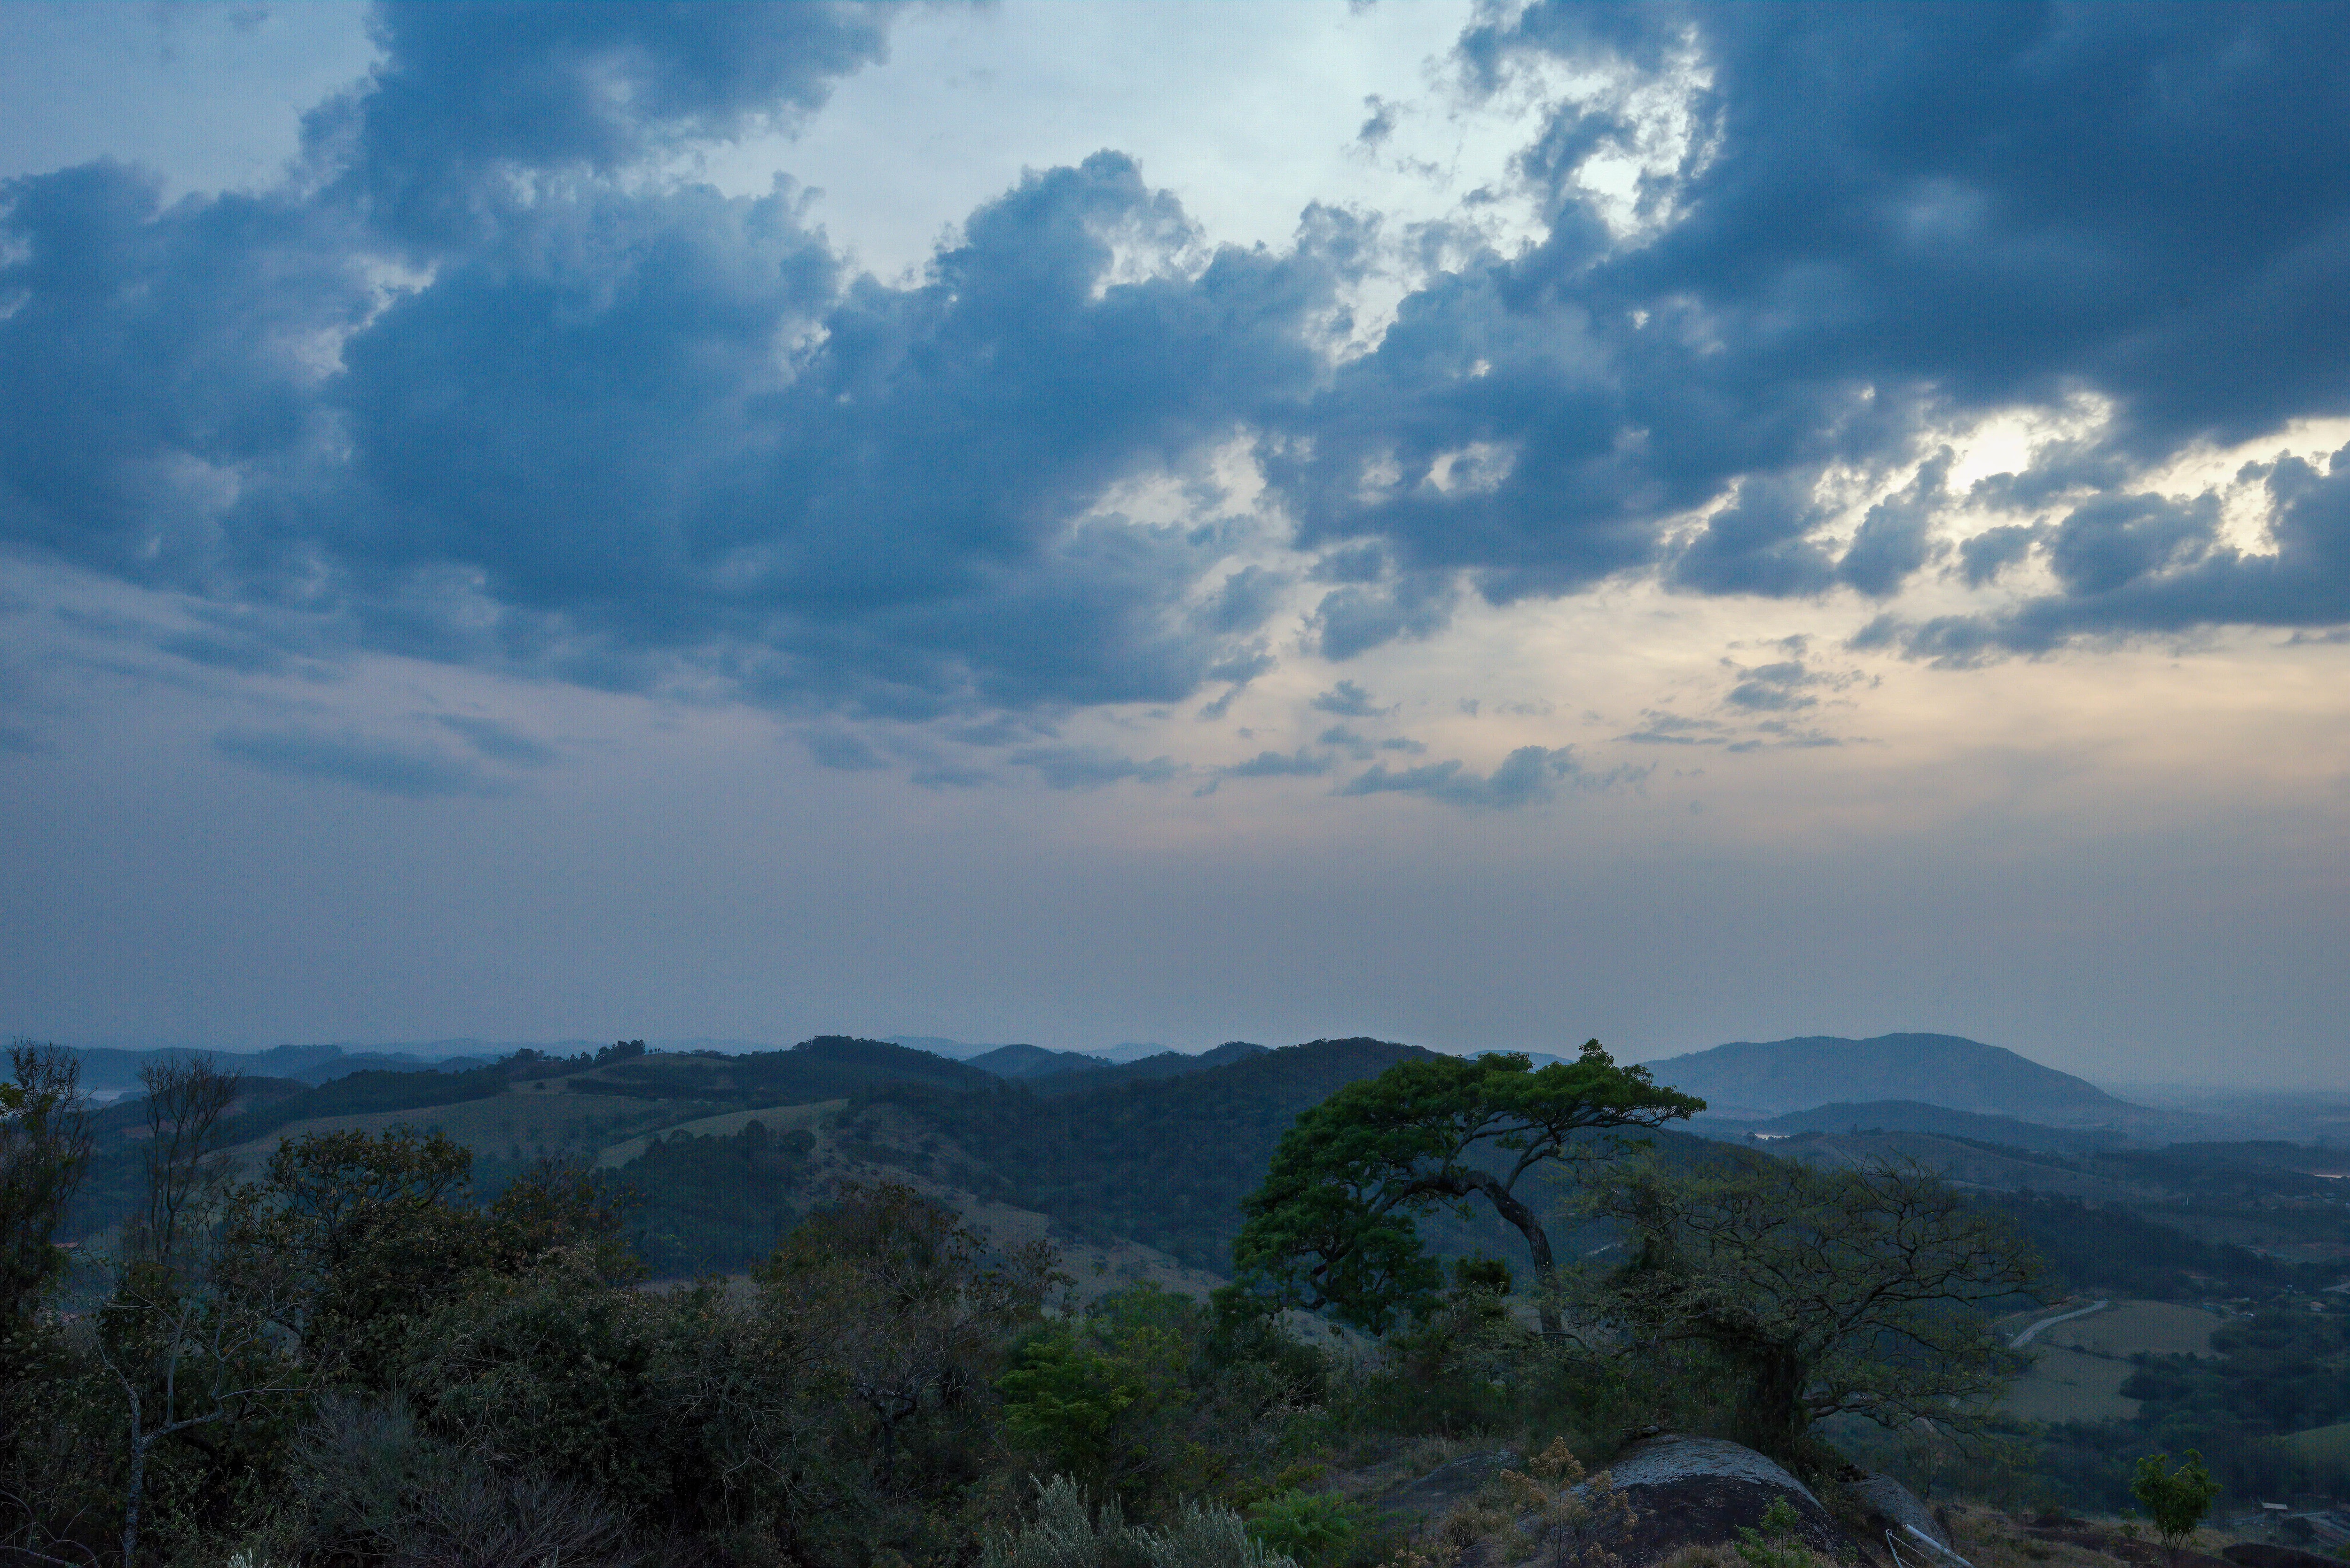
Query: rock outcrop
(1889,1508)
(1701,1491)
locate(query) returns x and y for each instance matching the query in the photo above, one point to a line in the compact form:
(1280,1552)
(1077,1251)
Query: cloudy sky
(1479,524)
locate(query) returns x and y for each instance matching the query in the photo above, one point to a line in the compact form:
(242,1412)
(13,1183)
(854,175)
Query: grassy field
(521,1124)
(2067,1384)
(2128,1327)
(2322,1443)
(778,1118)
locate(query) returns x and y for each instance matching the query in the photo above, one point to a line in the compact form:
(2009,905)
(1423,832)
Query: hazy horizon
(456,1045)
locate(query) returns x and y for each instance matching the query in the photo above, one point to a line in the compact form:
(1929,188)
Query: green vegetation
(2115,1250)
(1334,1226)
(365,1345)
(2177,1501)
(715,1203)
(1166,1162)
(1826,1293)
(1774,1544)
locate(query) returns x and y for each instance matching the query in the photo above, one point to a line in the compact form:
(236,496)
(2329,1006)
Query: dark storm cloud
(473,386)
(631,427)
(1903,214)
(2133,564)
(466,91)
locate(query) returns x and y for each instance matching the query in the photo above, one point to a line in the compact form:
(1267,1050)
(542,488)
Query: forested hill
(1165,1161)
(1770,1077)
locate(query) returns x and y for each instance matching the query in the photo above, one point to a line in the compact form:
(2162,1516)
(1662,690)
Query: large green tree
(1824,1292)
(1334,1225)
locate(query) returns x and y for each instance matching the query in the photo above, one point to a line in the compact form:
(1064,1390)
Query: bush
(373,1487)
(1064,1532)
(1314,1528)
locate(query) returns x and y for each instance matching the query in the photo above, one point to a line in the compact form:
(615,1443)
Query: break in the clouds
(490,377)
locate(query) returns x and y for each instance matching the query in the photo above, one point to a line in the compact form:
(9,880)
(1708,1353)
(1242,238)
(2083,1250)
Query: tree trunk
(1774,1402)
(131,1493)
(1505,1203)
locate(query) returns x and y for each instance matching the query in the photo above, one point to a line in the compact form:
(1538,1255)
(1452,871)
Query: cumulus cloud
(481,383)
(2132,565)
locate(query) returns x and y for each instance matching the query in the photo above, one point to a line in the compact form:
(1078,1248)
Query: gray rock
(1701,1491)
(1889,1505)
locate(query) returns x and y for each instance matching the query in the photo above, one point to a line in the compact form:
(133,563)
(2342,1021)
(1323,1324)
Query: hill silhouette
(1769,1078)
(1034,1061)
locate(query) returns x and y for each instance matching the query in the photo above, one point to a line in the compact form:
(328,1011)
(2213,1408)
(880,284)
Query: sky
(1481,524)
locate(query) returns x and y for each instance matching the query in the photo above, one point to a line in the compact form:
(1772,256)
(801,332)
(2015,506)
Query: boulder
(1889,1507)
(1701,1491)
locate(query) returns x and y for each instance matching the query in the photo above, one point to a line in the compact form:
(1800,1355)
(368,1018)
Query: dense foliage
(1166,1162)
(1336,1223)
(715,1204)
(2124,1253)
(361,1352)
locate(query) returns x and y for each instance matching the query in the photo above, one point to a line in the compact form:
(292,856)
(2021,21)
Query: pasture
(2067,1384)
(522,1124)
(2128,1327)
(2322,1444)
(777,1119)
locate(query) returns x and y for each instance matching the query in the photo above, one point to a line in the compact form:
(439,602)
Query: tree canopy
(1826,1291)
(1334,1224)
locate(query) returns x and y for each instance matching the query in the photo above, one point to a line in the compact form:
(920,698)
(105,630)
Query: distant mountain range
(964,1051)
(105,1071)
(1897,1081)
(1768,1078)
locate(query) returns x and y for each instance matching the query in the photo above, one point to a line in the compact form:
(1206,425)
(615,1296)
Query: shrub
(1064,1532)
(1314,1527)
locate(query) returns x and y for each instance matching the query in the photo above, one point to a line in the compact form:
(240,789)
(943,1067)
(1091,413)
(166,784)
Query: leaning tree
(1335,1223)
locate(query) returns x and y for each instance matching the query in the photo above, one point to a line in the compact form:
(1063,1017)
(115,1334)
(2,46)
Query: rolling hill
(1163,1160)
(1034,1061)
(1769,1078)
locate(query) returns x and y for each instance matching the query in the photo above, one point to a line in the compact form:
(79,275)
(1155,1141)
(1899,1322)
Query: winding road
(2021,1340)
